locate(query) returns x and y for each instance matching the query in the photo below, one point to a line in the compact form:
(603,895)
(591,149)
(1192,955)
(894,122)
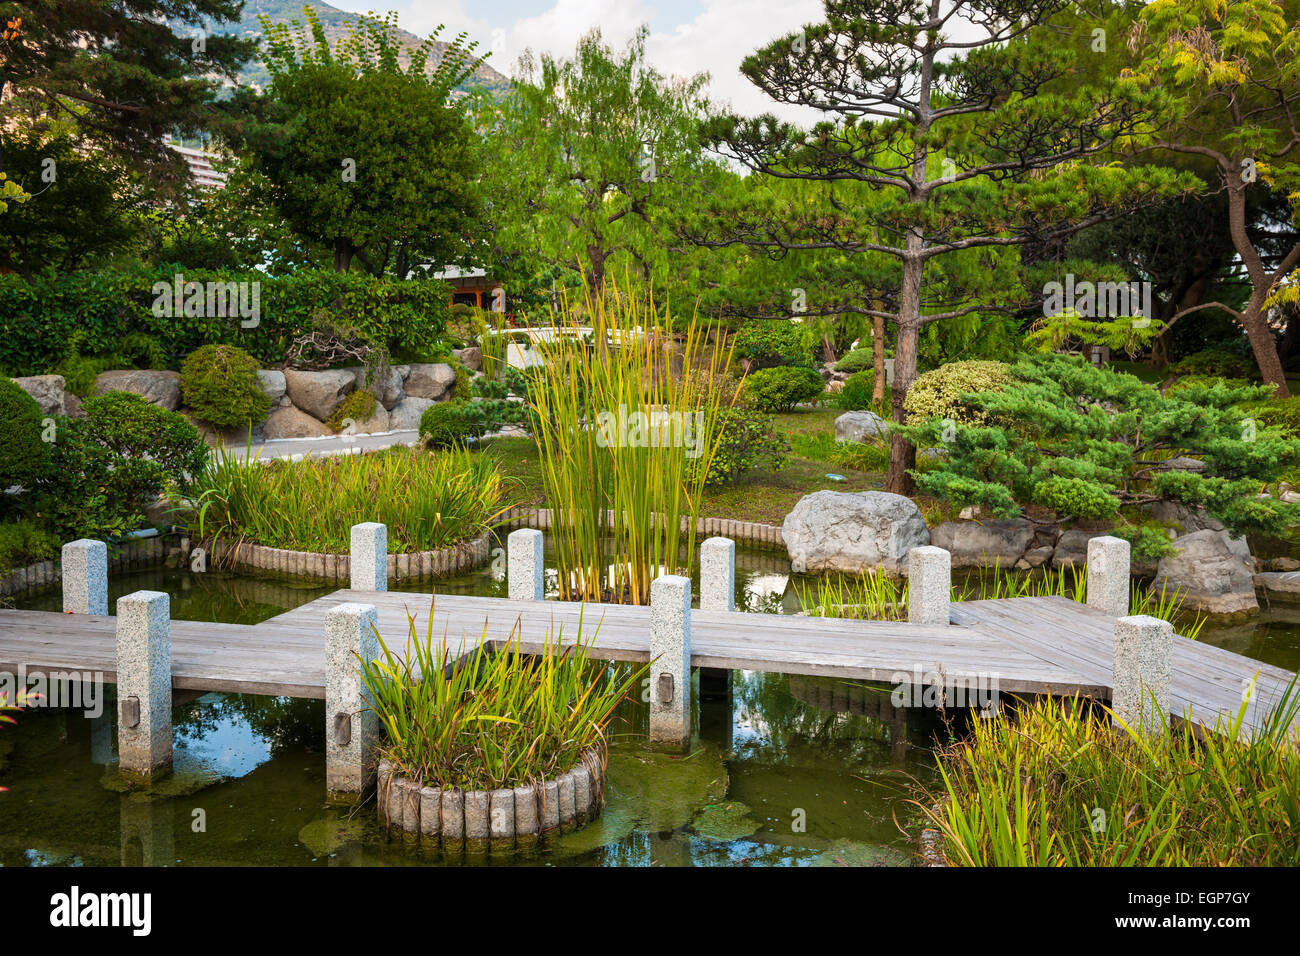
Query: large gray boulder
(976,544)
(406,413)
(432,381)
(860,426)
(319,393)
(1072,548)
(1280,585)
(377,422)
(49,391)
(273,384)
(386,386)
(291,422)
(471,357)
(159,388)
(1210,573)
(853,532)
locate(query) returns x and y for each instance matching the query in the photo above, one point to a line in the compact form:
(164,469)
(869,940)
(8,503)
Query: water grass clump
(624,424)
(1053,784)
(498,715)
(428,500)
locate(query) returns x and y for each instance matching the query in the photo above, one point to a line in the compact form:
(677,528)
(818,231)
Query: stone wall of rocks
(301,401)
(493,821)
(337,568)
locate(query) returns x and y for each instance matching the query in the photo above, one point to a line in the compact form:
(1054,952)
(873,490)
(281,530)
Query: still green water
(791,771)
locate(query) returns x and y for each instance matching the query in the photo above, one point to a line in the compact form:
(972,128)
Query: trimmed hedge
(37,320)
(220,383)
(781,388)
(24,456)
(937,393)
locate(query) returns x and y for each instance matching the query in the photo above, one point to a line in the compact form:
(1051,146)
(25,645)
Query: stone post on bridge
(525,567)
(717,593)
(1140,695)
(369,558)
(85,577)
(351,727)
(670,655)
(1108,571)
(144,684)
(929,586)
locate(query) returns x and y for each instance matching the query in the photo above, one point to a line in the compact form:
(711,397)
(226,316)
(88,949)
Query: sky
(686,36)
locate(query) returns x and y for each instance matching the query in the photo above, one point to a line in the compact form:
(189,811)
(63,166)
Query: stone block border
(137,553)
(752,533)
(493,821)
(337,568)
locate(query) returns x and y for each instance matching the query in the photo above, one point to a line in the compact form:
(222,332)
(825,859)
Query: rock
(387,387)
(286,401)
(853,532)
(292,422)
(1209,573)
(73,405)
(1285,564)
(859,426)
(403,370)
(1184,464)
(1072,548)
(975,544)
(431,381)
(1037,557)
(405,415)
(158,388)
(273,384)
(377,422)
(50,392)
(1189,519)
(1280,585)
(471,357)
(319,393)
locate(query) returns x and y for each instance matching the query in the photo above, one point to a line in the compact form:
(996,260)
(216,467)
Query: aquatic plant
(1052,784)
(625,436)
(494,716)
(428,500)
(874,595)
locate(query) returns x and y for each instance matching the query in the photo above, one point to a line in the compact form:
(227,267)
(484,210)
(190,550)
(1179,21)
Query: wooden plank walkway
(1031,645)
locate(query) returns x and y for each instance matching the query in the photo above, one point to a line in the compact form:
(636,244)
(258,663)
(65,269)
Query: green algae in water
(726,821)
(851,853)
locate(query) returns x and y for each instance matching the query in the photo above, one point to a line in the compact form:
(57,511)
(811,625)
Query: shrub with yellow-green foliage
(356,408)
(938,393)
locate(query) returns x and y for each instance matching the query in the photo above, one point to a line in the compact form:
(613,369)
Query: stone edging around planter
(418,566)
(742,532)
(137,553)
(499,821)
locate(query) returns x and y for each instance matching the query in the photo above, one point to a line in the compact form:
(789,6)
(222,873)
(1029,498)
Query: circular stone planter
(418,566)
(496,821)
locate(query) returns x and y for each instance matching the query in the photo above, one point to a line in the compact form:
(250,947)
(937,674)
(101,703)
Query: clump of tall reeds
(624,429)
(494,716)
(428,500)
(1052,784)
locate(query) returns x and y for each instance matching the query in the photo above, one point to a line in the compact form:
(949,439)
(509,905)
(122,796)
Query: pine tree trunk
(902,453)
(878,359)
(1264,345)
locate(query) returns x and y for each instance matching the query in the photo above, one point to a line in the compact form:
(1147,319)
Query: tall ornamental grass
(625,432)
(428,500)
(491,718)
(1053,785)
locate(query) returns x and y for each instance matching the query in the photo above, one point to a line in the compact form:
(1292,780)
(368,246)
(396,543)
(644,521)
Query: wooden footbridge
(1022,646)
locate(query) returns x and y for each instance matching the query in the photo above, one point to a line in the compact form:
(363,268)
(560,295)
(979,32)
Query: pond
(791,771)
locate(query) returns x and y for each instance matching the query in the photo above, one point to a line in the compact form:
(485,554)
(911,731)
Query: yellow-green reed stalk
(625,430)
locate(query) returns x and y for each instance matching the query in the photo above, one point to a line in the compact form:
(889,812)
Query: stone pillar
(525,568)
(929,585)
(369,557)
(85,577)
(670,653)
(1143,663)
(351,727)
(718,575)
(1108,571)
(144,684)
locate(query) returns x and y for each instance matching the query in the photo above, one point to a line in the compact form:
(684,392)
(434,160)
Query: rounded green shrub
(1282,412)
(220,383)
(448,423)
(24,456)
(1216,362)
(782,388)
(856,392)
(937,393)
(357,407)
(856,361)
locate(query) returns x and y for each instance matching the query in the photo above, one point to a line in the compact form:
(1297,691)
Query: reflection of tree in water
(792,730)
(287,723)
